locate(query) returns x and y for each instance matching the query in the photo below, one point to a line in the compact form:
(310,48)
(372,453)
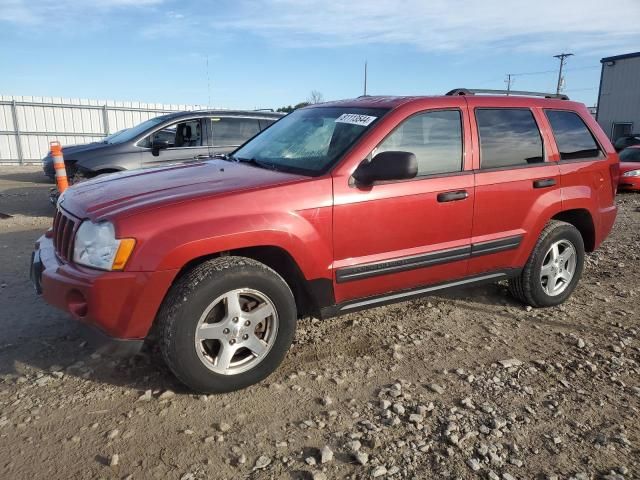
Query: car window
(508,137)
(179,135)
(435,138)
(572,136)
(233,131)
(630,155)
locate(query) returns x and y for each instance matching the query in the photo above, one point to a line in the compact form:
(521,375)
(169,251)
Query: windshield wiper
(255,162)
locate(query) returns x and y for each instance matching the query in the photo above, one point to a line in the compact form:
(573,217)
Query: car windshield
(630,155)
(133,132)
(309,141)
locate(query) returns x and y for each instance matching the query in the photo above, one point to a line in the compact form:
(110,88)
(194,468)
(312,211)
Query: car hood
(68,151)
(628,166)
(126,193)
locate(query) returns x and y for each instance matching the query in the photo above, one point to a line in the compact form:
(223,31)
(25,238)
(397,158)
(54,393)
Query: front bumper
(629,183)
(119,305)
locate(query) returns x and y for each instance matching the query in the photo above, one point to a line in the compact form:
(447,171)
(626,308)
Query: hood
(628,166)
(69,150)
(130,192)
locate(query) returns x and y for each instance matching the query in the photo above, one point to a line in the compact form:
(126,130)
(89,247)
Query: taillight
(614,173)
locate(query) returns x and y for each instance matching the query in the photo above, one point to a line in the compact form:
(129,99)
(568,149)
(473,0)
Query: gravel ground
(470,385)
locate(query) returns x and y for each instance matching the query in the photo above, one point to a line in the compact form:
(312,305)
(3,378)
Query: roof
(620,57)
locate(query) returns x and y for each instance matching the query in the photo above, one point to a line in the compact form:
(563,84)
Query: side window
(508,137)
(572,136)
(232,131)
(435,138)
(182,134)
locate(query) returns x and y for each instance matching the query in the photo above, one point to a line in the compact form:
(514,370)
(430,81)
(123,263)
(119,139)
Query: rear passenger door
(228,133)
(514,183)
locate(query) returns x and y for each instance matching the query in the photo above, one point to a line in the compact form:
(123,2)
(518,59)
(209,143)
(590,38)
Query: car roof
(223,113)
(391,102)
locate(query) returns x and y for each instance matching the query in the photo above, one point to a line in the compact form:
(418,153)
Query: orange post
(58,164)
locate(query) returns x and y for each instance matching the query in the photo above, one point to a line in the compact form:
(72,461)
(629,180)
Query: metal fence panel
(28,124)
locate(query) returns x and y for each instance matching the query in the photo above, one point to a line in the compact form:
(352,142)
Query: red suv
(334,208)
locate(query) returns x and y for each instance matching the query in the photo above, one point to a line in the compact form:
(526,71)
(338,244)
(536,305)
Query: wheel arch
(582,220)
(310,295)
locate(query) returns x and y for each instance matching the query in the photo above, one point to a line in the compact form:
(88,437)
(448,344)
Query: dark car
(626,141)
(172,138)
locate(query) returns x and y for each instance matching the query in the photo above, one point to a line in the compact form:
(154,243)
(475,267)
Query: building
(619,96)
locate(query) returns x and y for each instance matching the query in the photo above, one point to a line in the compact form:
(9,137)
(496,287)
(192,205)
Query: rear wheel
(227,324)
(553,269)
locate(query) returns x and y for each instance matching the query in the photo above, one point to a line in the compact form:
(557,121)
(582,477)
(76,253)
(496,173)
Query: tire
(550,287)
(240,349)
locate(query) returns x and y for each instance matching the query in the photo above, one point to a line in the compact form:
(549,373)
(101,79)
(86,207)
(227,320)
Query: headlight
(631,173)
(96,246)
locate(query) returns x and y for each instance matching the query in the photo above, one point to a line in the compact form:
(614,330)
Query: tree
(290,109)
(315,97)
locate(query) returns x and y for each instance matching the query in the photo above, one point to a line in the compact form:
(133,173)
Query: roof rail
(467,91)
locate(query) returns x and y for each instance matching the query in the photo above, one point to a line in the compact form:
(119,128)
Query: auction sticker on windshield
(355,119)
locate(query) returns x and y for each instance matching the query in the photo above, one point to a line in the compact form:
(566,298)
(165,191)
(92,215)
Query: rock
(310,461)
(474,464)
(492,475)
(434,387)
(393,470)
(166,395)
(580,343)
(146,396)
(512,362)
(224,427)
(326,455)
(378,471)
(188,476)
(467,403)
(318,476)
(326,401)
(415,418)
(354,446)
(113,434)
(398,408)
(508,476)
(115,459)
(361,457)
(385,404)
(262,462)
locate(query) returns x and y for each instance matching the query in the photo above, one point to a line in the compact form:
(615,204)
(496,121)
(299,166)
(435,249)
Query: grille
(63,232)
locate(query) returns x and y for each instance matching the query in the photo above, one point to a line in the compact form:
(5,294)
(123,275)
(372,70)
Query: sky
(271,53)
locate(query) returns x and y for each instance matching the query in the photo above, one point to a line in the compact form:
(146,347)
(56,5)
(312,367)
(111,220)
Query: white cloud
(38,11)
(441,25)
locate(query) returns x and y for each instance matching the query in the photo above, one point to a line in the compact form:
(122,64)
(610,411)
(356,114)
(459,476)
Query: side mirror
(158,145)
(387,166)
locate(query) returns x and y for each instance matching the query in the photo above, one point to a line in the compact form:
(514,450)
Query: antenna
(509,81)
(365,78)
(208,86)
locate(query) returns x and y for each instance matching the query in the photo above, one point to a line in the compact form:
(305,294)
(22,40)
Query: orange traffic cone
(58,164)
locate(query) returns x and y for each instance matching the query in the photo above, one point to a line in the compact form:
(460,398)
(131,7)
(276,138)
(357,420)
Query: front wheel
(553,269)
(227,324)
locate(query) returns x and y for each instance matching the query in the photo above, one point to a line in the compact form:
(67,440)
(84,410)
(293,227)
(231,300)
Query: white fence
(28,124)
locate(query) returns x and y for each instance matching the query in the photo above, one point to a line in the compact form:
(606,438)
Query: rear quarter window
(573,138)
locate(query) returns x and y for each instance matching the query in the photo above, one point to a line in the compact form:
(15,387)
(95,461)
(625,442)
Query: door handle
(452,196)
(199,157)
(545,183)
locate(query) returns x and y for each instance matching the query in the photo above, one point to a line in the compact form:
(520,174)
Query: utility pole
(508,81)
(365,78)
(562,57)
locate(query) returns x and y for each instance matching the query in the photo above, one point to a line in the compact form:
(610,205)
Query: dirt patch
(465,385)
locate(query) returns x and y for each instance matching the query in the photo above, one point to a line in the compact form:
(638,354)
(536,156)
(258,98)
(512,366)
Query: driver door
(185,143)
(401,235)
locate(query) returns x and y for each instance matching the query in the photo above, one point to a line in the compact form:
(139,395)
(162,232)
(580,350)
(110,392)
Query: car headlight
(631,173)
(96,246)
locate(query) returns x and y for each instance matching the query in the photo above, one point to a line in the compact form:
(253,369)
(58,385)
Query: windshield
(630,155)
(310,140)
(133,132)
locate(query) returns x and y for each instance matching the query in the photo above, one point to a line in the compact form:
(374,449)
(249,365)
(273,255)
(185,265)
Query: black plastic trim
(366,270)
(373,269)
